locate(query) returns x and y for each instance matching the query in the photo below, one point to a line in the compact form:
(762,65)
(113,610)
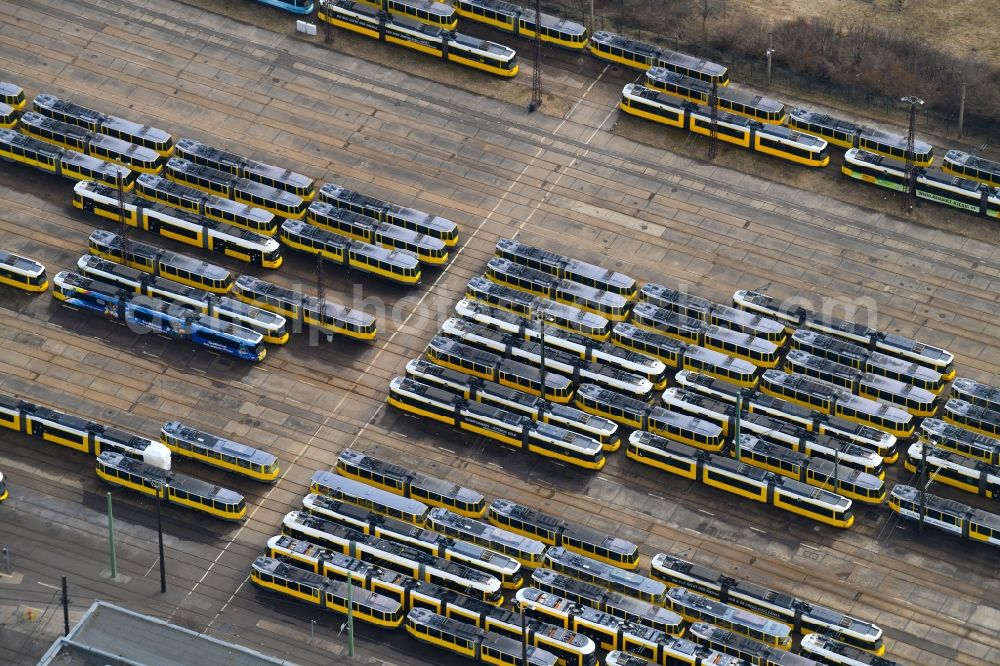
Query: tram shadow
(134,514)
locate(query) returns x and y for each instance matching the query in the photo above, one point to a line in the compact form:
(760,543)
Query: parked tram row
(206,197)
(679,90)
(144,465)
(185,298)
(416,542)
(846,369)
(808,445)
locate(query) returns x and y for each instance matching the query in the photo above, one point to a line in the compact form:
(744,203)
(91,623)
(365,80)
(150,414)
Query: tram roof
(335,192)
(37,145)
(425,390)
(218,444)
(563,263)
(486,530)
(747,645)
(818,118)
(656,312)
(751,443)
(939,428)
(200,170)
(161,184)
(77,132)
(611,39)
(134,128)
(977,389)
(894,140)
(968,409)
(365,492)
(729,93)
(651,291)
(431,483)
(445,345)
(89,284)
(501,265)
(323,504)
(356,317)
(481,284)
(954,459)
(822,364)
(55,416)
(595,392)
(70,108)
(632,331)
(269,191)
(479,410)
(327,209)
(535,517)
(277,173)
(20,263)
(186,145)
(972,161)
(949,506)
(205,489)
(731,613)
(606,572)
(693,423)
(148,472)
(967,185)
(789,134)
(721,359)
(483,45)
(10,89)
(403,258)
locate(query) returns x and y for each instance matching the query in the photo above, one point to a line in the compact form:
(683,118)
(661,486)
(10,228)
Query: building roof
(96,640)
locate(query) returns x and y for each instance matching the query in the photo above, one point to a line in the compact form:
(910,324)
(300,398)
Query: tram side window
(814,509)
(265,578)
(733,482)
(987,532)
(935,514)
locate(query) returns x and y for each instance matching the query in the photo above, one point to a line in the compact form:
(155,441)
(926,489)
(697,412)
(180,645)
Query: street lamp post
(914,102)
(524,638)
(111,539)
(159,532)
(769,53)
(541,317)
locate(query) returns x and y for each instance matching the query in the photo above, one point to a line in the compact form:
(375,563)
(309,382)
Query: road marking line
(236,536)
(562,172)
(479,228)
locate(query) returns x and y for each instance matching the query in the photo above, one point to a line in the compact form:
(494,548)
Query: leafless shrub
(859,56)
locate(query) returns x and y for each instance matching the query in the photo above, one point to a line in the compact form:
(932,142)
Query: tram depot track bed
(563,180)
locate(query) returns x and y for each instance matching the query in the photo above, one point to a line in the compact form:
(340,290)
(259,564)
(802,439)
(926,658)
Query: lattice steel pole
(911,178)
(536,74)
(923,482)
(539,315)
(736,425)
(320,294)
(122,223)
(713,138)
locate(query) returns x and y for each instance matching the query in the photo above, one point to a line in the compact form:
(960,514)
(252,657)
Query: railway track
(497,173)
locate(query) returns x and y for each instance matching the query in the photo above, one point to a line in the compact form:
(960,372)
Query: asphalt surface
(575,178)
